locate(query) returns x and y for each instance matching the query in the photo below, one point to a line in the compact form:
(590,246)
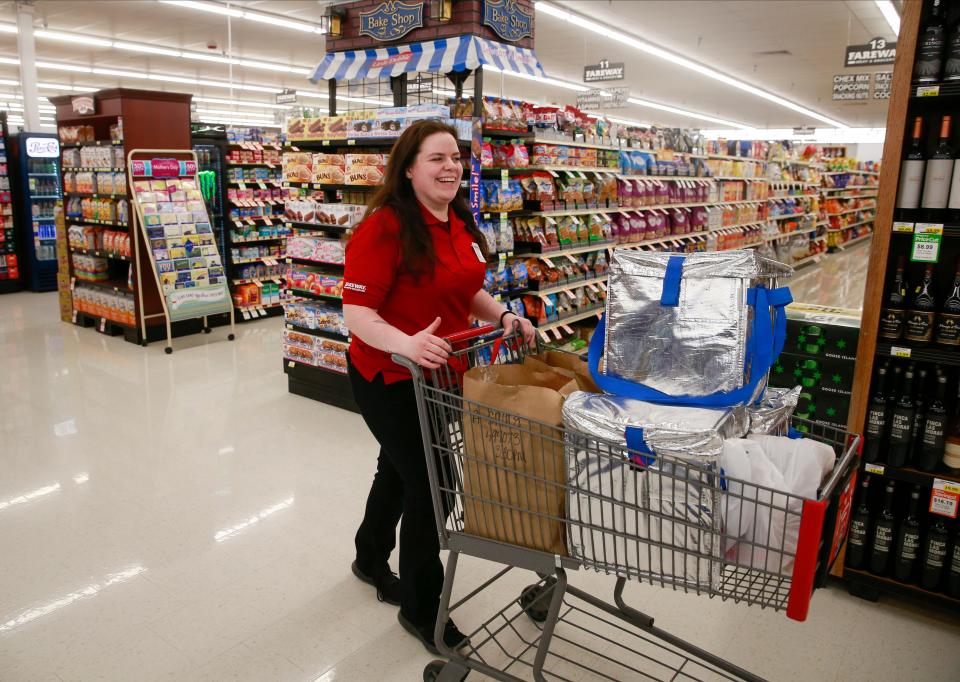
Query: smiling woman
(413,275)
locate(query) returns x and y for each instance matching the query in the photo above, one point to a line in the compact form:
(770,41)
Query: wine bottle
(877,416)
(882,544)
(911,171)
(919,415)
(929,57)
(901,423)
(859,524)
(931,445)
(934,555)
(894,315)
(951,70)
(948,321)
(951,451)
(921,310)
(953,572)
(908,540)
(936,183)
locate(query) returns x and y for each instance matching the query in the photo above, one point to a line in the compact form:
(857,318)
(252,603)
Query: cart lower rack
(535,496)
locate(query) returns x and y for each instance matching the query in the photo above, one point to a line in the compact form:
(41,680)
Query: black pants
(400,489)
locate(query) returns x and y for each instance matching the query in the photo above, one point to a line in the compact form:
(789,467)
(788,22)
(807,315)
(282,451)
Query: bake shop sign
(604,71)
(83,105)
(877,51)
(391,19)
(507,19)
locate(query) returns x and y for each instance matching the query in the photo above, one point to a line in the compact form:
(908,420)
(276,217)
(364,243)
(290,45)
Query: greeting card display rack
(182,249)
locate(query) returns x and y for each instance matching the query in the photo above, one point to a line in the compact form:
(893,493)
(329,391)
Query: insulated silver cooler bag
(654,517)
(699,329)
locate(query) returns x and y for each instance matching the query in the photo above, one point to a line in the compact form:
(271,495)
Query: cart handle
(467,334)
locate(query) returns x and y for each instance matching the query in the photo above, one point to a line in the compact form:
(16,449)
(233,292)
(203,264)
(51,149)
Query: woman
(414,274)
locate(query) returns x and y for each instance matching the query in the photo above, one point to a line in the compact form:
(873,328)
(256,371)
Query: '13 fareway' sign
(877,51)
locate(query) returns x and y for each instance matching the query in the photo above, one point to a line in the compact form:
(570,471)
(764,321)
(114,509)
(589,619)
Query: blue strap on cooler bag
(764,345)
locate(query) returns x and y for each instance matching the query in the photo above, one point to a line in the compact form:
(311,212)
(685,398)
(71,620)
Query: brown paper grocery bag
(513,468)
(567,364)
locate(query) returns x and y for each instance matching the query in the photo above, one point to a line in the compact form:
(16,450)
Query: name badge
(476,250)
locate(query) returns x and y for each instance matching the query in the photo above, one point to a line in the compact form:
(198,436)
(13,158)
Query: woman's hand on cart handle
(526,328)
(427,350)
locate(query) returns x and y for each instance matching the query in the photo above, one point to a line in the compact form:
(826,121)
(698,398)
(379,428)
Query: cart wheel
(143,343)
(168,350)
(231,337)
(207,330)
(535,600)
(433,670)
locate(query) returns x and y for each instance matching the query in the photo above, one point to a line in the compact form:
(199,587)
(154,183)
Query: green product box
(826,385)
(822,332)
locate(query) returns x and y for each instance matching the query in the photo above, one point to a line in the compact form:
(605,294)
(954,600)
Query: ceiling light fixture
(240,102)
(147,49)
(72,38)
(8,28)
(259,17)
(581,21)
(890,14)
(205,7)
(682,112)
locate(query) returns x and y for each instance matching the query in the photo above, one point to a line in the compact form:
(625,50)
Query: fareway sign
(877,51)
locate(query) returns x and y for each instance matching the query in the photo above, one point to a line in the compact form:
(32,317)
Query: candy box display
(317,316)
(297,167)
(328,169)
(315,282)
(318,249)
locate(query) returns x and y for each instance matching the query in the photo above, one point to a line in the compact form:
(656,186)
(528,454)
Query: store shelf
(118,285)
(904,349)
(51,197)
(263,164)
(736,177)
(849,189)
(567,287)
(664,178)
(847,227)
(95,143)
(91,221)
(733,158)
(247,240)
(857,240)
(100,254)
(911,475)
(276,279)
(854,210)
(43,175)
(809,260)
(773,238)
(346,142)
(785,217)
(320,384)
(96,195)
(571,143)
(851,172)
(243,183)
(316,226)
(259,259)
(307,261)
(565,252)
(263,306)
(593,312)
(310,294)
(875,584)
(317,332)
(518,134)
(552,169)
(85,169)
(327,186)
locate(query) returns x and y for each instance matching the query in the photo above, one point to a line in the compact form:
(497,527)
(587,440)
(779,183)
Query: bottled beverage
(934,555)
(901,423)
(953,572)
(877,417)
(918,414)
(882,537)
(908,540)
(921,310)
(859,524)
(951,70)
(931,442)
(936,183)
(911,170)
(951,451)
(929,59)
(893,317)
(948,321)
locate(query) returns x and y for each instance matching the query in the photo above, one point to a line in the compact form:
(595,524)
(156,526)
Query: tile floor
(185,518)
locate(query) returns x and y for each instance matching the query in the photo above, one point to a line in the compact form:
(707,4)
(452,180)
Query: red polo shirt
(373,278)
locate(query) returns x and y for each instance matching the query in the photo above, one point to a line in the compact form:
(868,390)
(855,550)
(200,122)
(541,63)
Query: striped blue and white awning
(434,56)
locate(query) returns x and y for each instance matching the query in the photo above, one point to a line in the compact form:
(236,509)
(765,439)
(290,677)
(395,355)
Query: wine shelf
(933,354)
(870,586)
(909,474)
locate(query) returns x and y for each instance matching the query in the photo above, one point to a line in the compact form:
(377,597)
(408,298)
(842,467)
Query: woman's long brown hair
(417,255)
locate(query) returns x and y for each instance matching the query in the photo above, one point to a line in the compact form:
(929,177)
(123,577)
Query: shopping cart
(632,519)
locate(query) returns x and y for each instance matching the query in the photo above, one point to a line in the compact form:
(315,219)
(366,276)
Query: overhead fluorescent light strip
(259,17)
(890,14)
(581,21)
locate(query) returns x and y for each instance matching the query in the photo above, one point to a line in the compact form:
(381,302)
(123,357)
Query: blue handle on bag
(763,348)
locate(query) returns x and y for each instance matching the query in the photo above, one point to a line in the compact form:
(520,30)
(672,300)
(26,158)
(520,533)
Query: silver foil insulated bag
(694,329)
(771,416)
(657,516)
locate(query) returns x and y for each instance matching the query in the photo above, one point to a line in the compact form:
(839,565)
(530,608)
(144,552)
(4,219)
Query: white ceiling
(730,36)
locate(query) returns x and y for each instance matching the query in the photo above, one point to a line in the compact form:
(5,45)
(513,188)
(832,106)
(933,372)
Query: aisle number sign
(926,243)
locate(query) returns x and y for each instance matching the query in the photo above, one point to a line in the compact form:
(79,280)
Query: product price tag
(351,143)
(325,143)
(566,329)
(571,258)
(898,352)
(926,242)
(543,335)
(103,325)
(502,262)
(505,179)
(557,334)
(242,184)
(928,91)
(261,184)
(74,318)
(902,227)
(603,286)
(291,364)
(73,283)
(874,469)
(592,288)
(944,498)
(569,294)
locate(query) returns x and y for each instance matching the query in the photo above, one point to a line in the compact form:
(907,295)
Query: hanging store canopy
(433,56)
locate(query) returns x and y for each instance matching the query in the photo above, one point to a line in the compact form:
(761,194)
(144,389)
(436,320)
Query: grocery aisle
(837,280)
(184,517)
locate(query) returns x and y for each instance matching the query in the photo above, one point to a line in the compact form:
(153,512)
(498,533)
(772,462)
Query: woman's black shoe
(452,636)
(387,584)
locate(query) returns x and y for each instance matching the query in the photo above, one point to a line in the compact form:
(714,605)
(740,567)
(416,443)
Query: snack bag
(519,278)
(567,230)
(486,154)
